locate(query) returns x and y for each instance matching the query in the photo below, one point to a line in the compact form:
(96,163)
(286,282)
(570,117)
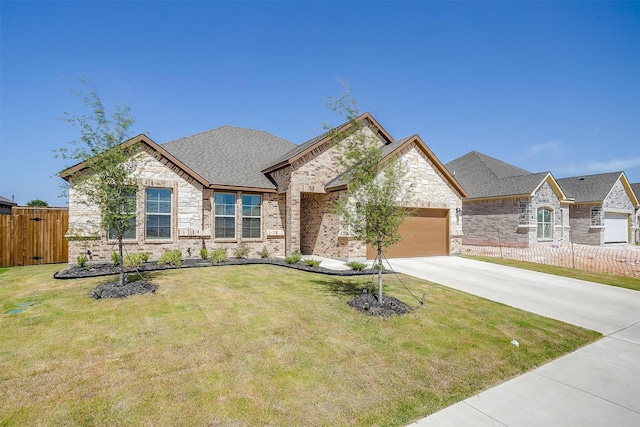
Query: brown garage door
(425,233)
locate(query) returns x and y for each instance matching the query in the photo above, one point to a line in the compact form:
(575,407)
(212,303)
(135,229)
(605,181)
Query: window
(158,213)
(251,216)
(545,225)
(224,215)
(128,207)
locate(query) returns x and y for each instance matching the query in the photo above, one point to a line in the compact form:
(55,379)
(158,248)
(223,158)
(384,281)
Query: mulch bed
(113,290)
(368,304)
(108,269)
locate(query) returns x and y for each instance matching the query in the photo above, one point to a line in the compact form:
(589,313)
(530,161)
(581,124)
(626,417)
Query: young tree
(108,182)
(37,203)
(376,199)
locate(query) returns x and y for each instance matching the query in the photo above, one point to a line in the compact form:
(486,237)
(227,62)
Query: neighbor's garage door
(616,226)
(425,233)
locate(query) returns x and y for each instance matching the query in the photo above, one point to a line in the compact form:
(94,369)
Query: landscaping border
(108,269)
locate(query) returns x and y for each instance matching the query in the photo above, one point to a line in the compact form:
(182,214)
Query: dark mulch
(109,269)
(368,304)
(113,290)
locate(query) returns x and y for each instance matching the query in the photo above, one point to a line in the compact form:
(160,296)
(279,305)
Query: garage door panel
(616,226)
(424,233)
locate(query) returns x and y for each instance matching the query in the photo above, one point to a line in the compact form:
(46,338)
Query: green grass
(605,279)
(253,345)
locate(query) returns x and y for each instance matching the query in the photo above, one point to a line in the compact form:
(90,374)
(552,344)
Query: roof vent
(581,179)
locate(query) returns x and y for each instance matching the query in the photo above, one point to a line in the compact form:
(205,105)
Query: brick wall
(493,222)
(581,220)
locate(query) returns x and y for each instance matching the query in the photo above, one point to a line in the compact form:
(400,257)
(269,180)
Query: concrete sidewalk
(594,386)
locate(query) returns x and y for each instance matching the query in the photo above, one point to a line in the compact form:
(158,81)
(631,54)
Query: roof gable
(397,147)
(594,188)
(148,142)
(301,150)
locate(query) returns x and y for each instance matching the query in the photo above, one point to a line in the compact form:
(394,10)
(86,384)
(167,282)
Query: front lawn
(253,345)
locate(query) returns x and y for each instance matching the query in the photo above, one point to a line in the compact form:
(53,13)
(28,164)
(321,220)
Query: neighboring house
(636,190)
(6,205)
(231,186)
(603,208)
(507,205)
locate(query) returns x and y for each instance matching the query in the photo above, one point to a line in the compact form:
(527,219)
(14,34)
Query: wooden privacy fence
(31,236)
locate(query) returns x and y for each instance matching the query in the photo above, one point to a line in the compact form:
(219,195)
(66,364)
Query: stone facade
(297,215)
(587,220)
(514,221)
(320,229)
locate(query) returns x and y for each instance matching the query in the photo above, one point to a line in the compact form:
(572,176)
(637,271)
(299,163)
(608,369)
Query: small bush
(82,261)
(357,266)
(264,253)
(203,253)
(115,258)
(173,257)
(312,262)
(377,266)
(295,257)
(218,255)
(242,251)
(136,260)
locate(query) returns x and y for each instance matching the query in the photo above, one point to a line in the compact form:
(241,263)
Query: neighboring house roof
(594,188)
(390,149)
(485,177)
(636,189)
(6,202)
(231,156)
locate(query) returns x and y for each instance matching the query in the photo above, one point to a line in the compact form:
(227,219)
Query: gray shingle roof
(230,155)
(636,189)
(483,176)
(589,188)
(7,202)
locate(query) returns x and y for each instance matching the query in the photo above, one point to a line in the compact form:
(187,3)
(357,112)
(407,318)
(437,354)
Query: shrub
(355,265)
(377,266)
(264,253)
(294,258)
(242,251)
(115,258)
(203,253)
(218,255)
(173,257)
(82,261)
(136,260)
(312,262)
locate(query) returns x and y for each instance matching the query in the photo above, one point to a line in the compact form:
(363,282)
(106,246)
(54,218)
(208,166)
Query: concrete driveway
(594,386)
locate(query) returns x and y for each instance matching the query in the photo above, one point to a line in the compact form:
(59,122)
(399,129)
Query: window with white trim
(158,213)
(224,207)
(545,223)
(251,216)
(129,207)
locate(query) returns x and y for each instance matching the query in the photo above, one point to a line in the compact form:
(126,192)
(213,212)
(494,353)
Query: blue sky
(542,85)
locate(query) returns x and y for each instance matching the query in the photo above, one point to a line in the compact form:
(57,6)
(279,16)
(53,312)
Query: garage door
(616,226)
(425,233)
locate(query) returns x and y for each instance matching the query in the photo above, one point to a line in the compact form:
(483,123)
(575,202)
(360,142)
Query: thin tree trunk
(380,274)
(122,278)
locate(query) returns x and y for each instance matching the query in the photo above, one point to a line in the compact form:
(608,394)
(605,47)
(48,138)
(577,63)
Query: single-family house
(603,208)
(636,191)
(231,186)
(507,205)
(6,205)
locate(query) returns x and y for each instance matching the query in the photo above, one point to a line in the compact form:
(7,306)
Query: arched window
(545,223)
